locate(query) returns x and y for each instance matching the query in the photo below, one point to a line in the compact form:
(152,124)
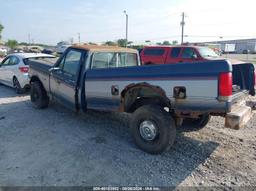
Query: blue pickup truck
(159,97)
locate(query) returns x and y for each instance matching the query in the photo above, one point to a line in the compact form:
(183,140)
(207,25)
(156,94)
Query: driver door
(63,79)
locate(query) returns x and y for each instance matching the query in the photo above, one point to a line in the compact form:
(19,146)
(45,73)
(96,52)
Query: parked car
(14,70)
(35,49)
(61,49)
(47,51)
(246,51)
(159,97)
(176,54)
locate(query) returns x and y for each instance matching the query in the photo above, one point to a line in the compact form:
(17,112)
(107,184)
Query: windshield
(207,52)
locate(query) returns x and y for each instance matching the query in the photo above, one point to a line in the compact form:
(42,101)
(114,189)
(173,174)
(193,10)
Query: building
(241,45)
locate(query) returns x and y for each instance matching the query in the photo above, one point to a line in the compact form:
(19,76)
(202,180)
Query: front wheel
(38,96)
(153,129)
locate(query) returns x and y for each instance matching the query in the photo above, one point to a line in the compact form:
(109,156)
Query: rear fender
(135,92)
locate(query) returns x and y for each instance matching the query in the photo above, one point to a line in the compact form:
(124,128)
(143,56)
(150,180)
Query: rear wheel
(200,122)
(38,96)
(153,129)
(16,86)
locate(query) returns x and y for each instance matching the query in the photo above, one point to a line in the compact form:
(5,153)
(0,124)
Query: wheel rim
(148,130)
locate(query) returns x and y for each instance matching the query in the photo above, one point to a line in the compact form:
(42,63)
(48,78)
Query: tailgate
(243,78)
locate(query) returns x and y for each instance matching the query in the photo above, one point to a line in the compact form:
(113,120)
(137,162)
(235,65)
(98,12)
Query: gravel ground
(57,147)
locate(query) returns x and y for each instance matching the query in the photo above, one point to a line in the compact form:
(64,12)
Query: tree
(92,43)
(110,43)
(12,43)
(175,42)
(122,42)
(129,43)
(1,29)
(166,42)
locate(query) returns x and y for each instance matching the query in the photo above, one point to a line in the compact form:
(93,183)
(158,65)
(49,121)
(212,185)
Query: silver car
(15,67)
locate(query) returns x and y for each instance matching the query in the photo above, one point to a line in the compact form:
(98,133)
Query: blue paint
(206,70)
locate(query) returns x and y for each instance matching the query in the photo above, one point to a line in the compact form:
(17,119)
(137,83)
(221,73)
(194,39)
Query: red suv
(176,54)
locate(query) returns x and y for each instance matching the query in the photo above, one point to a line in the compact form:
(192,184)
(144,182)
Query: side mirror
(54,69)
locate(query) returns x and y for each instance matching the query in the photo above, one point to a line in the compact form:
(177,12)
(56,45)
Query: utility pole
(182,23)
(126,34)
(79,39)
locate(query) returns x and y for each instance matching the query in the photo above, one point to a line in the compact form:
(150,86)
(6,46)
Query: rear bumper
(213,106)
(24,80)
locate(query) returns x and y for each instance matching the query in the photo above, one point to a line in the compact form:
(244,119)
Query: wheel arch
(136,95)
(36,79)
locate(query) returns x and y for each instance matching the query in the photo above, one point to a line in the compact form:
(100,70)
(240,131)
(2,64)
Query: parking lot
(251,58)
(57,147)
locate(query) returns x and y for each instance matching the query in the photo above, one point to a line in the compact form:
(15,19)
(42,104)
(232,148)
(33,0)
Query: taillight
(225,84)
(24,69)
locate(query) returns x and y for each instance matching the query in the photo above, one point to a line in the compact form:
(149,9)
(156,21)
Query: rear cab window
(102,60)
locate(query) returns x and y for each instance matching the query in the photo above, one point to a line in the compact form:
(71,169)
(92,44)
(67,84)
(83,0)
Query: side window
(6,62)
(175,52)
(189,53)
(154,52)
(13,60)
(71,62)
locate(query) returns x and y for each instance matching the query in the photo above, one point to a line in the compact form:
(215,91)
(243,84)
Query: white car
(15,67)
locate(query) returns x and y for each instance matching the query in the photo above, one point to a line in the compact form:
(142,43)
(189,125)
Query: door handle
(115,90)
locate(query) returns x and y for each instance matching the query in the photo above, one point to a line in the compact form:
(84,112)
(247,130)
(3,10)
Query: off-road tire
(199,123)
(166,129)
(38,96)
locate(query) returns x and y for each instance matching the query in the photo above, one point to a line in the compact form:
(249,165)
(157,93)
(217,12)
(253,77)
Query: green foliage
(122,42)
(24,44)
(166,42)
(12,43)
(91,43)
(110,43)
(175,42)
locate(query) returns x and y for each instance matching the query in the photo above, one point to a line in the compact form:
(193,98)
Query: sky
(51,21)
